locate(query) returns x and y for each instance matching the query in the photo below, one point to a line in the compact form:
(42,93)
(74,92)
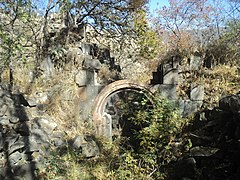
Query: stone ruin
(168,77)
(25,141)
(96,98)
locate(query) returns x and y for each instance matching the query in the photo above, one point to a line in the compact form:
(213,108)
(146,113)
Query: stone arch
(101,122)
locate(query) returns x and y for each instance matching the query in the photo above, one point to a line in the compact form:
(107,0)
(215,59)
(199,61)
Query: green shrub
(152,147)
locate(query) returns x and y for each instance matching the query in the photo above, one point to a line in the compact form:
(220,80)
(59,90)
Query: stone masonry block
(167,90)
(85,77)
(171,77)
(197,93)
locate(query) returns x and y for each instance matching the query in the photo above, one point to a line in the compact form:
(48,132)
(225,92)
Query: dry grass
(61,91)
(220,81)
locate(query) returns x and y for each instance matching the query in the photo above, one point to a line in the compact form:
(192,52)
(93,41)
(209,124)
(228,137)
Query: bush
(142,154)
(155,129)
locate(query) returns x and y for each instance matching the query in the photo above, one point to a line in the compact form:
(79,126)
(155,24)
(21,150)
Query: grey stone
(167,90)
(171,77)
(32,145)
(107,121)
(14,119)
(2,159)
(197,93)
(78,142)
(16,146)
(23,128)
(1,101)
(91,64)
(25,171)
(59,142)
(230,103)
(88,145)
(42,97)
(41,108)
(188,107)
(11,139)
(86,77)
(58,139)
(4,121)
(3,109)
(85,106)
(14,158)
(1,141)
(46,124)
(196,62)
(40,136)
(90,149)
(1,91)
(86,48)
(47,67)
(31,77)
(203,151)
(31,101)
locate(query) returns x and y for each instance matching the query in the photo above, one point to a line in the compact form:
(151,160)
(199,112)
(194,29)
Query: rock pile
(215,137)
(26,140)
(23,142)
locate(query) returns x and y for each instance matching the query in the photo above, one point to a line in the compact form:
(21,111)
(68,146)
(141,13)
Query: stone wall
(24,141)
(168,77)
(214,153)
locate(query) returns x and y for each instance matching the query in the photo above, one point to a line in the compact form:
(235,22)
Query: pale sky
(154,4)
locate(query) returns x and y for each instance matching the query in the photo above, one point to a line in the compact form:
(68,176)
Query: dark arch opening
(115,105)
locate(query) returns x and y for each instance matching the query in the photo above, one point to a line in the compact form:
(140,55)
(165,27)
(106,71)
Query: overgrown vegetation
(184,27)
(144,157)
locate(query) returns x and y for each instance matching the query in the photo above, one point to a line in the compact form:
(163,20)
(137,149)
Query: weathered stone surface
(90,149)
(230,103)
(78,142)
(166,90)
(4,121)
(85,77)
(16,146)
(171,77)
(14,158)
(42,97)
(11,139)
(32,145)
(14,119)
(86,48)
(203,151)
(86,105)
(47,67)
(107,121)
(25,171)
(91,64)
(40,136)
(23,128)
(3,109)
(2,160)
(42,123)
(197,93)
(31,101)
(1,141)
(81,78)
(195,62)
(41,108)
(188,107)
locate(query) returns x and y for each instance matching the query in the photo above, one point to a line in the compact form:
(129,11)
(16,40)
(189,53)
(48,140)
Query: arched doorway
(106,111)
